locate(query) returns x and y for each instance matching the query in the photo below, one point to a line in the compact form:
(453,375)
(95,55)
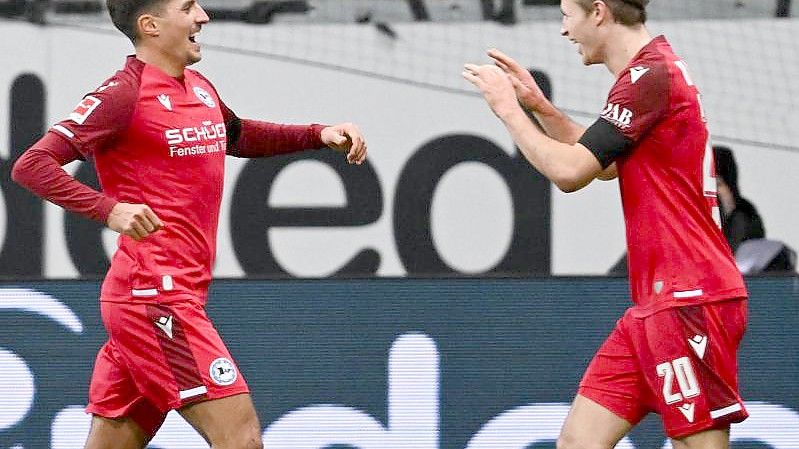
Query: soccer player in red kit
(158,134)
(674,351)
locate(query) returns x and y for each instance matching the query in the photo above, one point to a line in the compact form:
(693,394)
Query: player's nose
(202,17)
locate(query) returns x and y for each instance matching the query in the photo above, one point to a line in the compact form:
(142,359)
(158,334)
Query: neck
(627,42)
(153,56)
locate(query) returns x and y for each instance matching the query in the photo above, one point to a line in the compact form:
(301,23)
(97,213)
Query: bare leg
(226,423)
(122,433)
(709,439)
(591,426)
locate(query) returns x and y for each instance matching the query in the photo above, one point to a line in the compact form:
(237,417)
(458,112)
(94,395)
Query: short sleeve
(638,100)
(100,116)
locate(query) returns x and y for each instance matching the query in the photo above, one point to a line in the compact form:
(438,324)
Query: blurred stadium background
(480,279)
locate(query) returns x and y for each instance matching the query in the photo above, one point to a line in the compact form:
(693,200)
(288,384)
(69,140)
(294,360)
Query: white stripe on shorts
(725,411)
(193,392)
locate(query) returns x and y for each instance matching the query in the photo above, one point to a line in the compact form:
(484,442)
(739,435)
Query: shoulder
(110,105)
(125,82)
(121,89)
(645,75)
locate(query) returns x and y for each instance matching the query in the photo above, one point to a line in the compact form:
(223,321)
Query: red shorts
(158,358)
(680,363)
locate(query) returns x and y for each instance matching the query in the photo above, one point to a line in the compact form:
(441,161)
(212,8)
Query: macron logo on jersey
(637,72)
(165,324)
(165,101)
(619,116)
(84,109)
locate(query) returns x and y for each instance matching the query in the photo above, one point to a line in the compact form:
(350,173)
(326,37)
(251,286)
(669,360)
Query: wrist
(510,114)
(104,207)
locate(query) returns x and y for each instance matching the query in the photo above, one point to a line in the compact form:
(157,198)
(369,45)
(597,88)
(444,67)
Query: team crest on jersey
(84,109)
(223,372)
(204,96)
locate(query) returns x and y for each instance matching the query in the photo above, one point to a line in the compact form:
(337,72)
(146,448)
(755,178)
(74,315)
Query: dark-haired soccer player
(674,351)
(158,134)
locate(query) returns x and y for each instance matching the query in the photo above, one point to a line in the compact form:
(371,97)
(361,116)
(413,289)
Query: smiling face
(581,28)
(173,31)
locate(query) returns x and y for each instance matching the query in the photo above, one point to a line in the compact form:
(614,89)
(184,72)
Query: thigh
(712,439)
(174,354)
(223,420)
(113,395)
(119,433)
(614,380)
(590,424)
(688,357)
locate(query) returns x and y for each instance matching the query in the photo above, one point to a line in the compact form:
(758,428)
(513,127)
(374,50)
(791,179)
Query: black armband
(605,141)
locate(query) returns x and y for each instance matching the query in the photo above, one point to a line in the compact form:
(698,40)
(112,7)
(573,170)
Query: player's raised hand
(527,90)
(495,85)
(346,138)
(134,220)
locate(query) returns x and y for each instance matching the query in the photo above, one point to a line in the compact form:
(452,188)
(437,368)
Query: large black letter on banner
(529,250)
(251,216)
(22,250)
(85,236)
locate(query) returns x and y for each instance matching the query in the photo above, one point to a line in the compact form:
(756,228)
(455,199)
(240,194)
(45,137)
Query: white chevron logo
(165,324)
(637,72)
(165,101)
(699,343)
(687,410)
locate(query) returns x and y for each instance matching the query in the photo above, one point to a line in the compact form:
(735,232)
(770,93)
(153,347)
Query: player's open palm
(134,220)
(495,85)
(527,90)
(346,138)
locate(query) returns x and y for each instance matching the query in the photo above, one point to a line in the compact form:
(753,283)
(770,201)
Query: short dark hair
(625,12)
(125,13)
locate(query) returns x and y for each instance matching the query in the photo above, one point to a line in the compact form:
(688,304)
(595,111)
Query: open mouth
(193,37)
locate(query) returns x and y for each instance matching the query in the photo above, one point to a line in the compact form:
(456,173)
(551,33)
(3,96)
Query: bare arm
(571,166)
(555,123)
(609,173)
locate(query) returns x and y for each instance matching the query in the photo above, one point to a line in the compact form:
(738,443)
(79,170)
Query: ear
(148,25)
(601,12)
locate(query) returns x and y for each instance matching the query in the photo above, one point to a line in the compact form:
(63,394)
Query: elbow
(19,172)
(569,181)
(568,187)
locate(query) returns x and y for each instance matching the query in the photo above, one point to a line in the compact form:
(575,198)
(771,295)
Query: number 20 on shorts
(682,370)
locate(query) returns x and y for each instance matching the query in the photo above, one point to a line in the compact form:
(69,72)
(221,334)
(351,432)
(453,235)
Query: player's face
(181,21)
(578,27)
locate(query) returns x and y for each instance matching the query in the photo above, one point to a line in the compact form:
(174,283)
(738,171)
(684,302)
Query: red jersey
(677,252)
(160,141)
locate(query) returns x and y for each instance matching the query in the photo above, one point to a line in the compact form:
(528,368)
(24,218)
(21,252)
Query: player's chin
(194,57)
(588,60)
